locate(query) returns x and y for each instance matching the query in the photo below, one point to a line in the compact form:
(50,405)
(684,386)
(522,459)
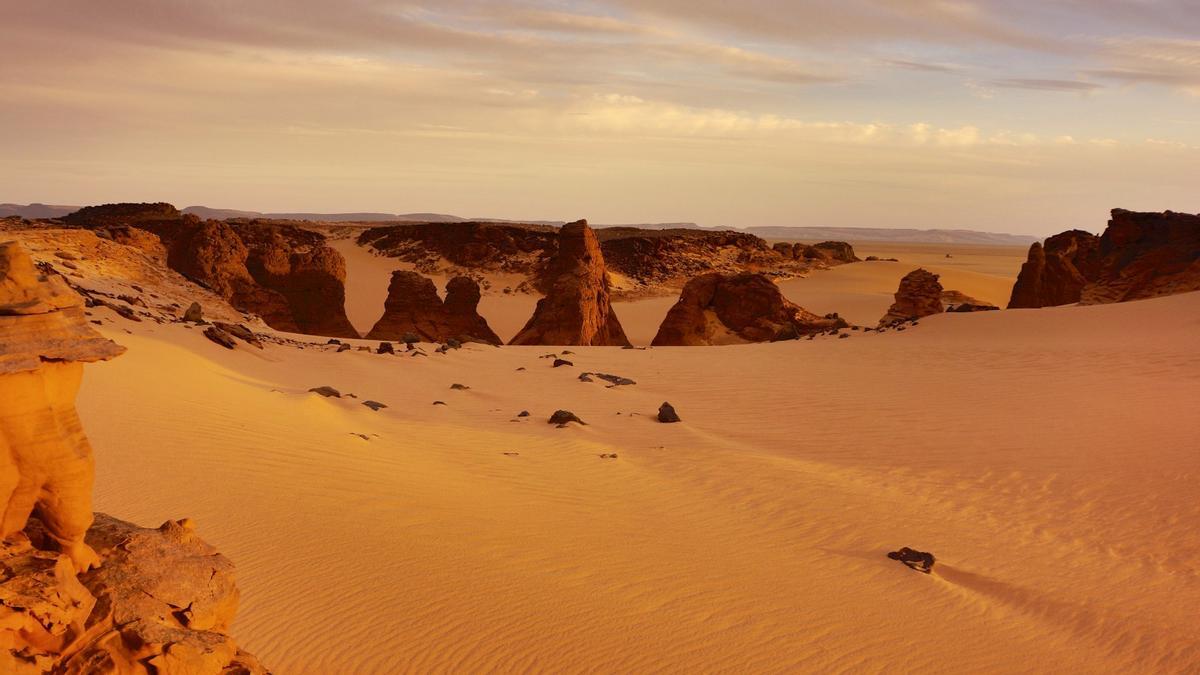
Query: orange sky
(1023,116)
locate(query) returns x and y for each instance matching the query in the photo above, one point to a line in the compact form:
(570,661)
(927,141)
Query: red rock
(1140,255)
(577,309)
(919,295)
(1056,272)
(722,309)
(413,306)
(287,275)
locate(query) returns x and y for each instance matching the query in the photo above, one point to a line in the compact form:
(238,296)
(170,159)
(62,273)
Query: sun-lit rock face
(730,308)
(45,459)
(1057,270)
(287,275)
(577,309)
(413,306)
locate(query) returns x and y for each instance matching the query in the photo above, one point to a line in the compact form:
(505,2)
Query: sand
(1046,457)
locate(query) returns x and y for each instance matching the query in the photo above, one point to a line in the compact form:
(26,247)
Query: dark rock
(344,348)
(220,337)
(558,363)
(523,413)
(919,295)
(564,417)
(459,387)
(667,414)
(917,560)
(326,391)
(615,380)
(194,313)
(374,405)
(386,348)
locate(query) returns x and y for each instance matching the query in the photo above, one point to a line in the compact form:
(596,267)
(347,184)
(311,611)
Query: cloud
(1159,61)
(1035,84)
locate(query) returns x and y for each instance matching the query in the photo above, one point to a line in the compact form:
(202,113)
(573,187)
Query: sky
(1022,116)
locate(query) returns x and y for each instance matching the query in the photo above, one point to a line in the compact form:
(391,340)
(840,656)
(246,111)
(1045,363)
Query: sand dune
(1047,457)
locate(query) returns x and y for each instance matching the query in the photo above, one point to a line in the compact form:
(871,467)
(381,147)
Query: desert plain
(1047,457)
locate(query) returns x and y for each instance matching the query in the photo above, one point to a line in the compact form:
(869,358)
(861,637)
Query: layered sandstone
(45,459)
(577,309)
(727,309)
(413,306)
(287,275)
(919,295)
(81,593)
(1140,255)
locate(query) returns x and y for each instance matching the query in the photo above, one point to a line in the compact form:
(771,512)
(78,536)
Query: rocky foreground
(84,593)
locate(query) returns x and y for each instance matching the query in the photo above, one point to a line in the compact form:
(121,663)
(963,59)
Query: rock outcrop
(1056,271)
(729,309)
(1140,255)
(45,460)
(162,602)
(413,307)
(287,275)
(85,593)
(919,295)
(838,252)
(645,260)
(577,309)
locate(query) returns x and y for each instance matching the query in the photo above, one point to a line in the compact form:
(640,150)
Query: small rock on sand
(459,387)
(220,337)
(564,417)
(667,414)
(917,560)
(374,405)
(326,391)
(194,313)
(558,363)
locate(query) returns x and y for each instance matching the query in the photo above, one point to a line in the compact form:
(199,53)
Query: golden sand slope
(1047,457)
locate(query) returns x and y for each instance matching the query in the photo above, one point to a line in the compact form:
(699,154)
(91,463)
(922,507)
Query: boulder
(162,602)
(577,309)
(748,307)
(413,312)
(564,417)
(667,414)
(194,313)
(919,295)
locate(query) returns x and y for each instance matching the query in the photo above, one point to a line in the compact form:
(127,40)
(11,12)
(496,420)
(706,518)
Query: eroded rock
(919,295)
(724,309)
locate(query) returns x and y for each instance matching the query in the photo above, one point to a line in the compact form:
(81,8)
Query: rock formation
(414,308)
(287,275)
(959,302)
(645,259)
(1056,272)
(919,295)
(827,251)
(724,309)
(1140,255)
(45,460)
(577,309)
(161,600)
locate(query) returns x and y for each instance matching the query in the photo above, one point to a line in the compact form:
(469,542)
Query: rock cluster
(827,251)
(287,275)
(577,309)
(1140,255)
(413,308)
(723,309)
(919,295)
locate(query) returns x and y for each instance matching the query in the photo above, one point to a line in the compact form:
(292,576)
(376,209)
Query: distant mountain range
(804,234)
(890,235)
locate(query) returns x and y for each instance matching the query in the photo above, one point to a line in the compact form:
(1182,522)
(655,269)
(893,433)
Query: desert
(607,337)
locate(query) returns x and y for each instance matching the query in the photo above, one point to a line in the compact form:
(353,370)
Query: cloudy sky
(1025,116)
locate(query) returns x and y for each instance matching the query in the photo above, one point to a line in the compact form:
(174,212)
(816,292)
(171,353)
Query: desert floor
(1048,458)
